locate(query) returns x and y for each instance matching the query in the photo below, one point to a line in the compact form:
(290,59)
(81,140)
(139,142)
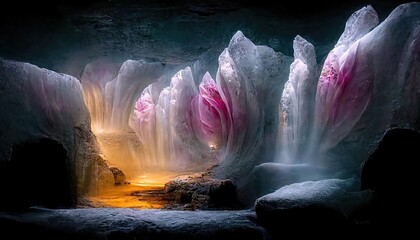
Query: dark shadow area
(64,36)
(391,174)
(36,175)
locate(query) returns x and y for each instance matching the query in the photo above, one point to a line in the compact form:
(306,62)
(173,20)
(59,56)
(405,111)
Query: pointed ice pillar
(390,56)
(342,97)
(358,25)
(249,78)
(296,104)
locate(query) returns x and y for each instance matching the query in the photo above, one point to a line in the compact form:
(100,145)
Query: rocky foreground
(113,223)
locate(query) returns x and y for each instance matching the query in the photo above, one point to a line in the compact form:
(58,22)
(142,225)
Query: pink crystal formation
(210,117)
(343,93)
(144,111)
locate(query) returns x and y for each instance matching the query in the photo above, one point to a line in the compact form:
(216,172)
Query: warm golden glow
(123,150)
(154,179)
(127,196)
(144,192)
(144,163)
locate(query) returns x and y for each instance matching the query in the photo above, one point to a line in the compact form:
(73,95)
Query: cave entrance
(37,175)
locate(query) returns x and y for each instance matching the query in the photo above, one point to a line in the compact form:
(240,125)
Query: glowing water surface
(143,192)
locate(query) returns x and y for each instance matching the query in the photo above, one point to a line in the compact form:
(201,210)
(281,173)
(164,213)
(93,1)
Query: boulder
(268,177)
(119,175)
(201,192)
(330,201)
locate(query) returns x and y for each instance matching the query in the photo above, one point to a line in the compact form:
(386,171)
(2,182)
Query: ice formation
(233,119)
(164,124)
(42,104)
(111,89)
(296,103)
(261,106)
(388,58)
(343,94)
(94,79)
(367,84)
(210,117)
(228,121)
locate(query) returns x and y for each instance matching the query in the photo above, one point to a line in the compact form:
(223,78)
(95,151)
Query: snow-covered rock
(325,201)
(114,223)
(268,177)
(41,104)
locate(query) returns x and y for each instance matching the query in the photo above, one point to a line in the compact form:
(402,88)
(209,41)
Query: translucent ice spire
(296,103)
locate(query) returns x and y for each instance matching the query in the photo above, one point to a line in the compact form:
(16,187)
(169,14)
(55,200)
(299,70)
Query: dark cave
(37,175)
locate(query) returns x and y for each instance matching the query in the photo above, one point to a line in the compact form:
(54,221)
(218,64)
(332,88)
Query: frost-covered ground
(112,223)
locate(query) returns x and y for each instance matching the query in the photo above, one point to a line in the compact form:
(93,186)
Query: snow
(338,195)
(103,223)
(38,103)
(268,177)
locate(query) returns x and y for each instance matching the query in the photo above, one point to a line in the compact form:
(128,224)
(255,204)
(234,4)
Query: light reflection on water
(144,192)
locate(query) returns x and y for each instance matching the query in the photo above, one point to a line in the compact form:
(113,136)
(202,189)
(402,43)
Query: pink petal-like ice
(344,90)
(210,114)
(144,116)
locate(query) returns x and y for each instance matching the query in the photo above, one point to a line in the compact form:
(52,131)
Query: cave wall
(41,104)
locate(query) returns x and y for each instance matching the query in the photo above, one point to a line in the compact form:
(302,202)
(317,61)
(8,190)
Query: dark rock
(37,174)
(201,192)
(390,173)
(94,176)
(119,175)
(331,202)
(200,201)
(222,194)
